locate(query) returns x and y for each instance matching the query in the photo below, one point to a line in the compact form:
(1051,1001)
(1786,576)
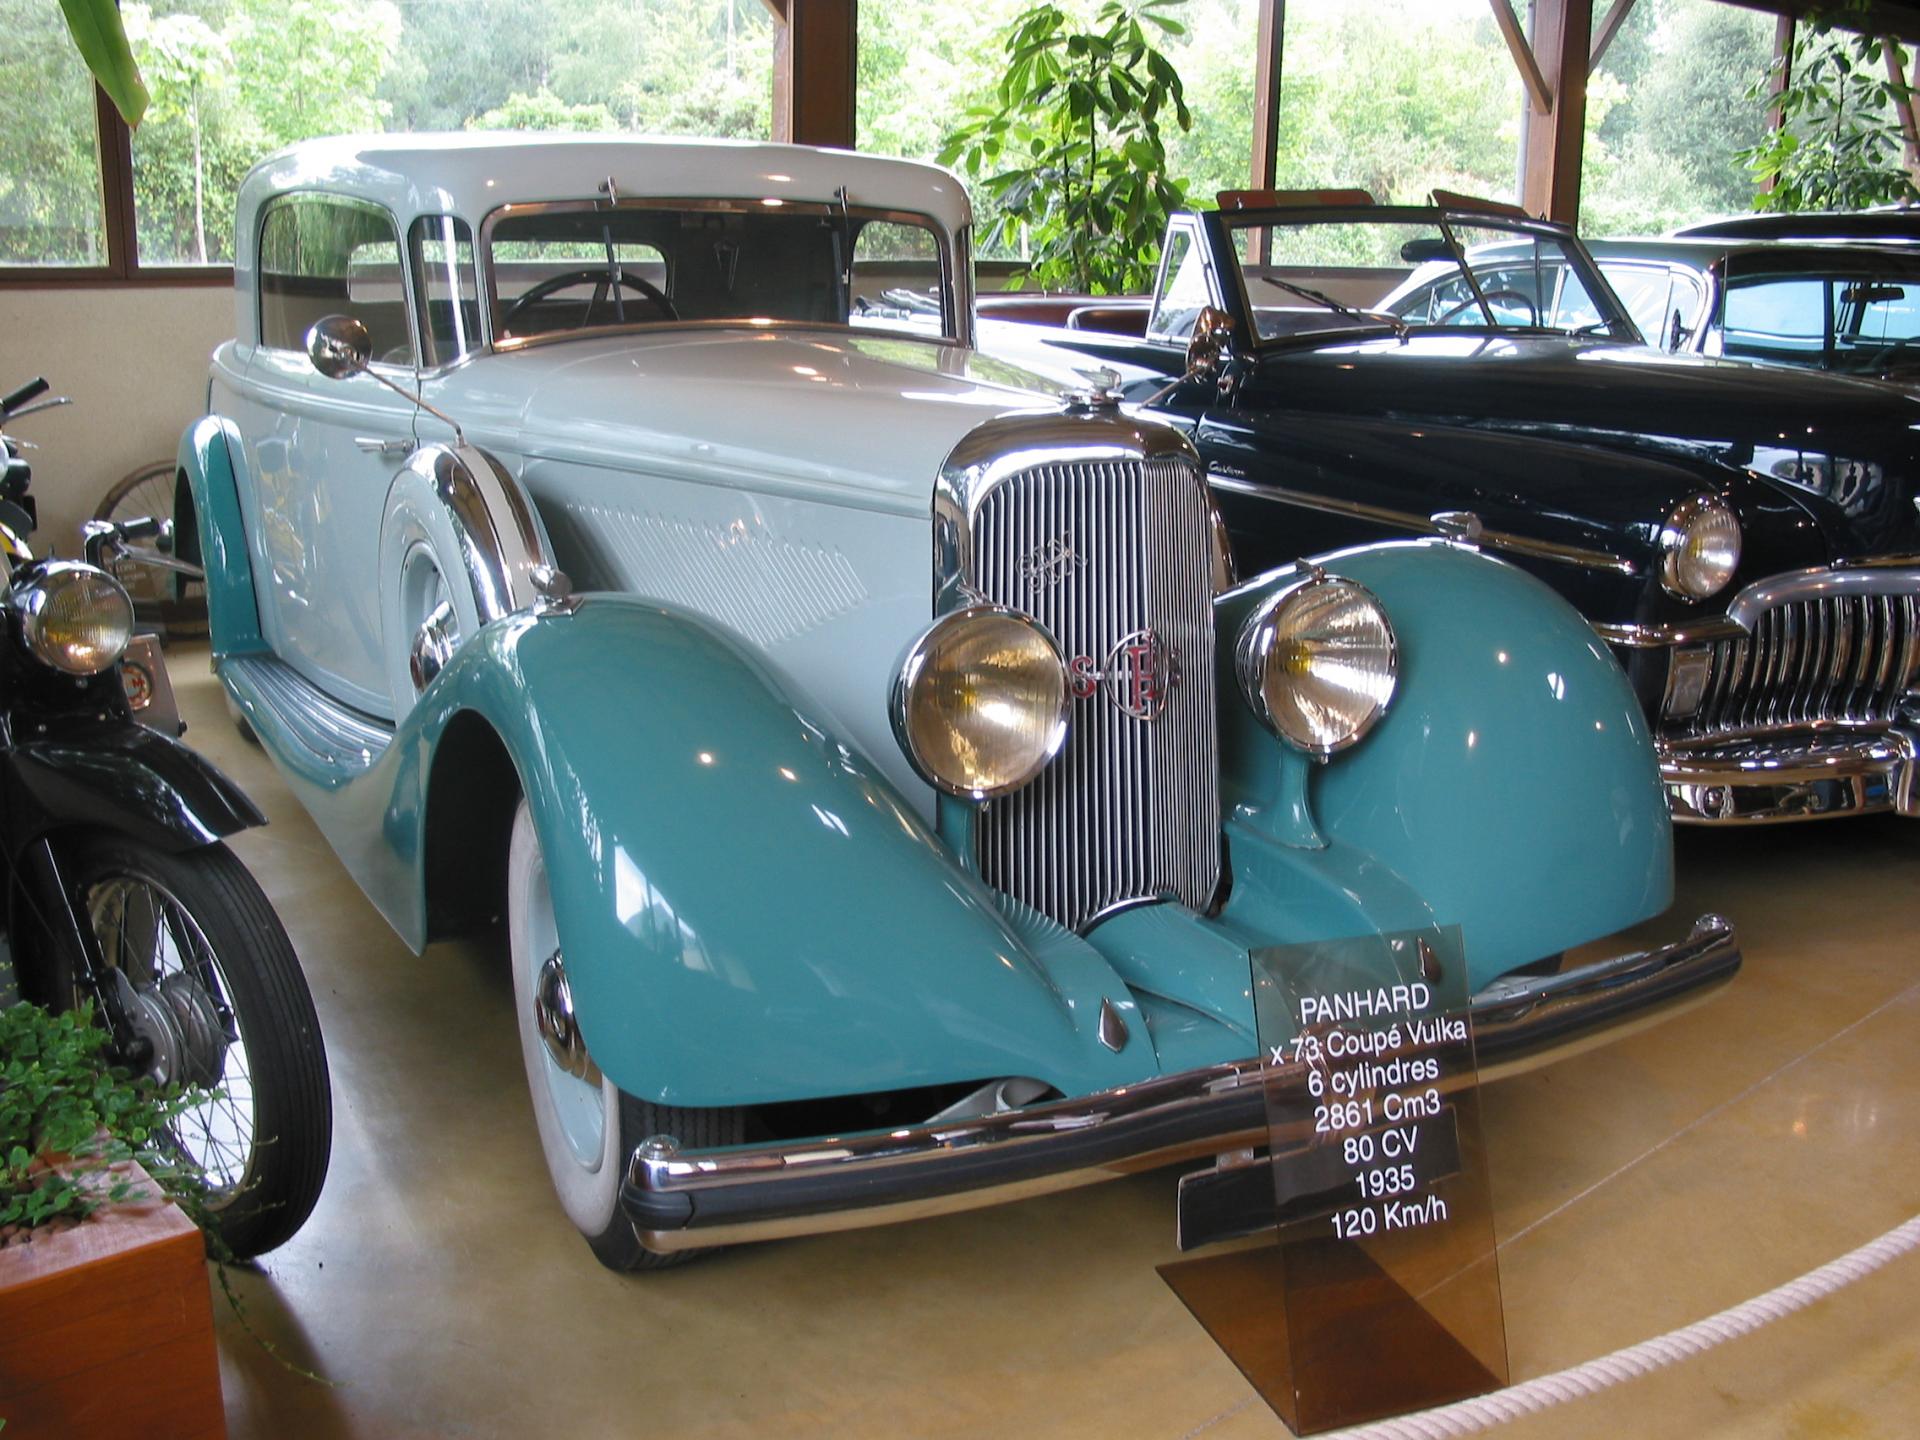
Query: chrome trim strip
(1821,775)
(1425,525)
(1654,637)
(1819,583)
(681,1200)
(500,543)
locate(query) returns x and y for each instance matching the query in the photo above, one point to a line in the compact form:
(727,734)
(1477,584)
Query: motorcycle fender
(1511,784)
(124,778)
(210,457)
(749,912)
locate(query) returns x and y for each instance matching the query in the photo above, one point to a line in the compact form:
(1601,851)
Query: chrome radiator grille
(1107,555)
(1835,658)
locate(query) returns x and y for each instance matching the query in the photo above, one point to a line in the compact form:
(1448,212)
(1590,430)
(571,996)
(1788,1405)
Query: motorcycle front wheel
(212,984)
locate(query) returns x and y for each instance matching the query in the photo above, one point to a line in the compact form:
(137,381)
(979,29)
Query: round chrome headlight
(74,617)
(1318,663)
(1699,548)
(981,703)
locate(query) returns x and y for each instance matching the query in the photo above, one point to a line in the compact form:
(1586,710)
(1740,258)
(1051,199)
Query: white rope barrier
(1468,1417)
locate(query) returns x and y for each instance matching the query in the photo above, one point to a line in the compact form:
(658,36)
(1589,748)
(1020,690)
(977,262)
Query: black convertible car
(1747,539)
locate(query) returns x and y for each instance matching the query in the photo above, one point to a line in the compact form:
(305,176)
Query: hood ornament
(1101,392)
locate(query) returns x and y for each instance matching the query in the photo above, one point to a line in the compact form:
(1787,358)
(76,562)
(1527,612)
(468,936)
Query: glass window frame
(321,196)
(955,307)
(114,143)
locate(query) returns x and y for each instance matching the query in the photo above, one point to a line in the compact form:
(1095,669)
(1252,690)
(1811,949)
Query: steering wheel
(1533,315)
(602,280)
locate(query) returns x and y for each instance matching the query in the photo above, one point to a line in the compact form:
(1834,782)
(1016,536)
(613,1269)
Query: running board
(327,742)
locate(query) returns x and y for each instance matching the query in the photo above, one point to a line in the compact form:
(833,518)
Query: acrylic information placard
(1379,1292)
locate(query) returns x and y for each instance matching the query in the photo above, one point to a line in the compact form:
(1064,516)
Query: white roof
(470,173)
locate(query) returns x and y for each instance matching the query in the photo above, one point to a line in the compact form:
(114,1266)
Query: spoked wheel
(588,1125)
(210,980)
(170,603)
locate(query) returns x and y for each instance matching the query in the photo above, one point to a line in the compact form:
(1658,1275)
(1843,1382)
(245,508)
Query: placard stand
(1379,1292)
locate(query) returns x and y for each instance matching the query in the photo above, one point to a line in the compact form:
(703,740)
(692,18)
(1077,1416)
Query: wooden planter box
(106,1329)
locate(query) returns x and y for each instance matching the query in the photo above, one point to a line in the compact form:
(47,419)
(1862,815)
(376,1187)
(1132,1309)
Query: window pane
(925,63)
(896,275)
(1643,289)
(1666,111)
(1776,320)
(50,174)
(326,257)
(720,261)
(447,287)
(1398,97)
(234,80)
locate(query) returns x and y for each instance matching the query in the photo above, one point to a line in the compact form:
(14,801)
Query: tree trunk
(199,180)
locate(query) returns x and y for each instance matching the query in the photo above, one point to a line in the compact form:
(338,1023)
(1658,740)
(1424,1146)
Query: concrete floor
(441,1292)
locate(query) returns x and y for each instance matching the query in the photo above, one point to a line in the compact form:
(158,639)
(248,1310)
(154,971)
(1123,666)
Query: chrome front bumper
(1793,776)
(687,1200)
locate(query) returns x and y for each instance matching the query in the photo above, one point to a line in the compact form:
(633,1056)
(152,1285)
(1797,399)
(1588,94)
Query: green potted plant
(103,1284)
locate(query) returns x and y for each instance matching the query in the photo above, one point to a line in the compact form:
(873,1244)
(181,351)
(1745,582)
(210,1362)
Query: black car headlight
(73,617)
(1699,548)
(1318,663)
(980,705)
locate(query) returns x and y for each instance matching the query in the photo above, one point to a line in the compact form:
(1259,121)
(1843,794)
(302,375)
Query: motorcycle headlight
(981,703)
(1318,663)
(1699,548)
(74,617)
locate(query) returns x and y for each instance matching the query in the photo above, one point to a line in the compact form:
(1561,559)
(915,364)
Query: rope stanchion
(1468,1417)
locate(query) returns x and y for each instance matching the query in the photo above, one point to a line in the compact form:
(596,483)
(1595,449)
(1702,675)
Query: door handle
(391,449)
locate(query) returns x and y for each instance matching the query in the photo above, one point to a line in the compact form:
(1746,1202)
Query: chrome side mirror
(1207,350)
(339,346)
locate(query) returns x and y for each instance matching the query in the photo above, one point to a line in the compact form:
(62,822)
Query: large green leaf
(102,43)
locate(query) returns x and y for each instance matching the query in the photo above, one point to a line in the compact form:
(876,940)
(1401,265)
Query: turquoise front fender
(209,459)
(1511,786)
(747,909)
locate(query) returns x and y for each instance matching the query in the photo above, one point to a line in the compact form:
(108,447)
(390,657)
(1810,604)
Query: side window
(1643,289)
(327,256)
(1767,319)
(1573,307)
(1683,309)
(446,292)
(1183,288)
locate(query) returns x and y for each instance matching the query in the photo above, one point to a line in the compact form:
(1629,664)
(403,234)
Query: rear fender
(210,458)
(749,912)
(1512,784)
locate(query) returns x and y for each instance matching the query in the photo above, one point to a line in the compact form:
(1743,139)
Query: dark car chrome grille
(1839,658)
(1099,552)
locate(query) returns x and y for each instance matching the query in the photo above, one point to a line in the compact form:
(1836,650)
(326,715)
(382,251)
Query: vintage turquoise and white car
(881,775)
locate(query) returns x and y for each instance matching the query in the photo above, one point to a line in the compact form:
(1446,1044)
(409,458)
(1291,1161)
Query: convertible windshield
(1396,272)
(561,268)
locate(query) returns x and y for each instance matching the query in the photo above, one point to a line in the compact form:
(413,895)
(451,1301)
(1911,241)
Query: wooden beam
(1616,17)
(1523,58)
(814,70)
(1781,75)
(1903,103)
(777,9)
(1270,36)
(1554,138)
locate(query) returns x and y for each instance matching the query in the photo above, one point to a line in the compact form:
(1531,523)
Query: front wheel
(588,1126)
(212,984)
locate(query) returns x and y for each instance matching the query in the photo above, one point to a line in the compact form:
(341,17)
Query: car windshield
(1401,271)
(1858,323)
(558,269)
